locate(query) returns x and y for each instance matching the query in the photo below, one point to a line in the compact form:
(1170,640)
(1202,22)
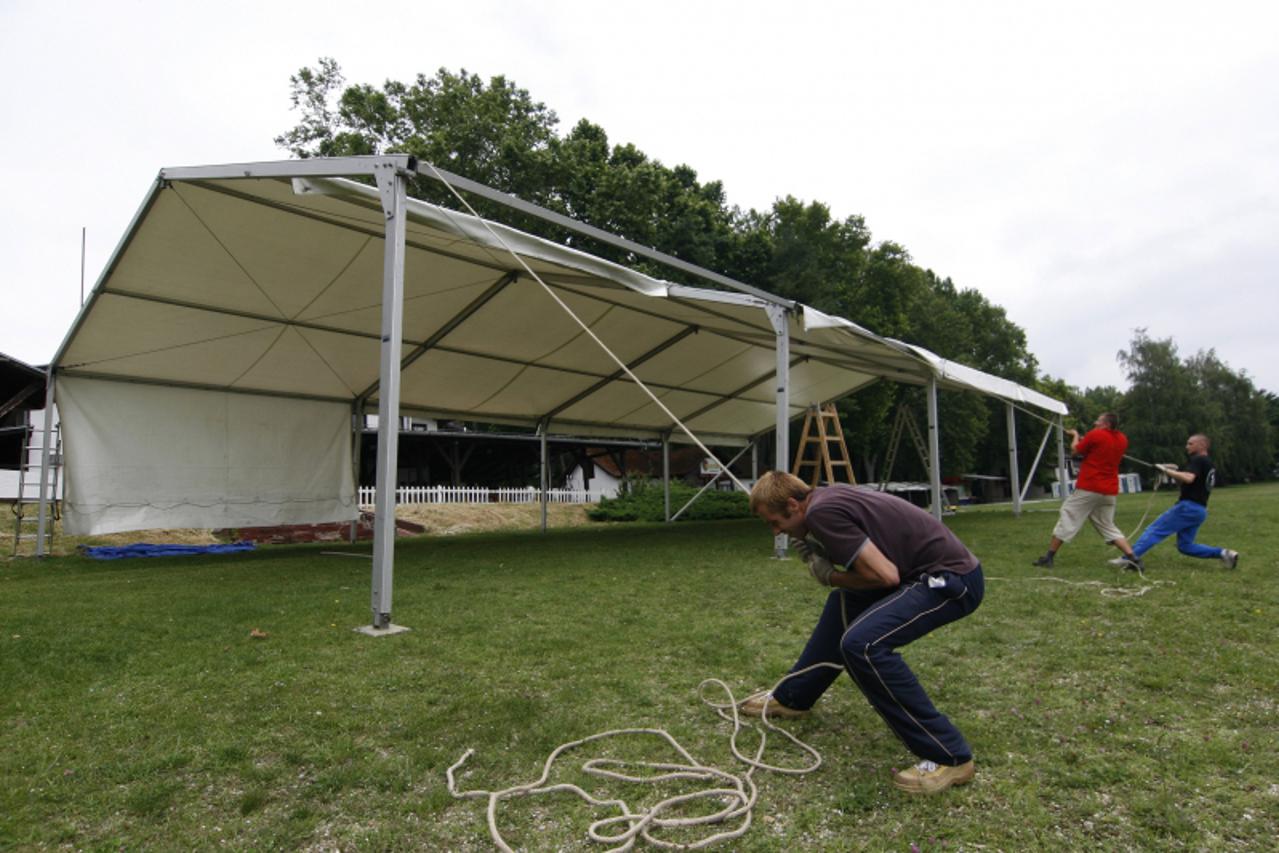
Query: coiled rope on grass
(737,792)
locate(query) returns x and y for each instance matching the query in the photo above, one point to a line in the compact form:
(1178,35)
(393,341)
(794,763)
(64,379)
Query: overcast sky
(1092,167)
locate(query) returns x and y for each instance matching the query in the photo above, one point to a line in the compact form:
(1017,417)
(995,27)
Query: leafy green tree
(1236,419)
(496,133)
(1162,401)
(1169,399)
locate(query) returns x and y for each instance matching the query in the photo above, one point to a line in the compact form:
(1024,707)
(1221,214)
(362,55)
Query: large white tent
(253,312)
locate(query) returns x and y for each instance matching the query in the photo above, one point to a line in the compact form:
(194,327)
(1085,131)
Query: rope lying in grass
(737,792)
(1103,589)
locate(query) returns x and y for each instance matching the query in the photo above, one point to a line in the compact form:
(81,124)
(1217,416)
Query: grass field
(137,712)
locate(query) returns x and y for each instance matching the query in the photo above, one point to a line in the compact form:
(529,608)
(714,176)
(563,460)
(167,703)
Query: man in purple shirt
(897,574)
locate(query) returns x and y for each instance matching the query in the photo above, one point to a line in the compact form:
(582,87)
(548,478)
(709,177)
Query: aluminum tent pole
(1039,454)
(754,460)
(666,473)
(934,448)
(43,519)
(544,457)
(780,319)
(393,186)
(1013,474)
(357,433)
(1062,475)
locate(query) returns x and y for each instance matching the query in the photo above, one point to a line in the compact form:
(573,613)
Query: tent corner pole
(1014,478)
(393,186)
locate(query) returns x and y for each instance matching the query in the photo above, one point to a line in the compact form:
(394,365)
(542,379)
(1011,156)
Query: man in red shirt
(1094,497)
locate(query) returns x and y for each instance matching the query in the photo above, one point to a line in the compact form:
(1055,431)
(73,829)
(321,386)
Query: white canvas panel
(627,333)
(170,241)
(292,364)
(537,389)
(152,340)
(253,235)
(454,381)
(706,362)
(140,457)
(524,322)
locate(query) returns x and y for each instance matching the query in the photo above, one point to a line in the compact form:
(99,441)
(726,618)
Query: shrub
(642,500)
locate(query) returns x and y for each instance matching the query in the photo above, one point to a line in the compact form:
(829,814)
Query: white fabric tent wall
(146,456)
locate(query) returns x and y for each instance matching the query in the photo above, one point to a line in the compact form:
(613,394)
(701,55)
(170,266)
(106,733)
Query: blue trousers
(862,631)
(1182,518)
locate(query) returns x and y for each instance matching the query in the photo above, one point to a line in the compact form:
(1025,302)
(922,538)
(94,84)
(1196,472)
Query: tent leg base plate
(390,629)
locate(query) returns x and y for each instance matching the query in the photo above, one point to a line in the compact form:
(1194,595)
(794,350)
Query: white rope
(584,326)
(1102,588)
(737,793)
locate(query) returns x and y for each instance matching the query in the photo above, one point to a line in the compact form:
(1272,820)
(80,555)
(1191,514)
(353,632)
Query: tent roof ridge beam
(312,167)
(619,373)
(458,319)
(508,200)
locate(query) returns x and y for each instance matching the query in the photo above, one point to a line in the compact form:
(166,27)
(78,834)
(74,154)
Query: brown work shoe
(753,706)
(928,777)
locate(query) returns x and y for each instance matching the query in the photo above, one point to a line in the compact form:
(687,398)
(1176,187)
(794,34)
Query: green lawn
(136,712)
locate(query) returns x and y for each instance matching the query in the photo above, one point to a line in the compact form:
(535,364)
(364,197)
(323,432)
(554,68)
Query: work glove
(818,566)
(821,569)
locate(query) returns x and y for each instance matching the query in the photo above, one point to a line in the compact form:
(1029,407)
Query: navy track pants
(862,630)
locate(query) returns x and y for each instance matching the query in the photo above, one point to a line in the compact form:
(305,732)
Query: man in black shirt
(898,573)
(1187,514)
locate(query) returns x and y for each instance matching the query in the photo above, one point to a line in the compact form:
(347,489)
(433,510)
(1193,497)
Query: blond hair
(774,488)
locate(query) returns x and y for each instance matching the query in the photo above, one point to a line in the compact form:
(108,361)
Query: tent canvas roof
(273,285)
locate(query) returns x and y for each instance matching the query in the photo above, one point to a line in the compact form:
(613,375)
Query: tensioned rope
(737,793)
(586,328)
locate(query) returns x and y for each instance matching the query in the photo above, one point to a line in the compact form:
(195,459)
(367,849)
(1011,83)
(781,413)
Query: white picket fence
(478,495)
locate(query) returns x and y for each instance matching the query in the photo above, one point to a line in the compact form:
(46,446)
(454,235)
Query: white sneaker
(1229,558)
(1118,562)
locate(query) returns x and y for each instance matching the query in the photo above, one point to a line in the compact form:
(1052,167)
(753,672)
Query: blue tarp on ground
(144,549)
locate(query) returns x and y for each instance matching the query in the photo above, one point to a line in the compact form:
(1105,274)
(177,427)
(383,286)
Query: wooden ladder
(823,429)
(27,502)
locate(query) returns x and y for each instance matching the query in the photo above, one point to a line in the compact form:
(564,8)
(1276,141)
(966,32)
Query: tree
(496,133)
(1169,400)
(1237,419)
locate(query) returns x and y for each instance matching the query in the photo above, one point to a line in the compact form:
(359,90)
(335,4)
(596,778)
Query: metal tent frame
(836,346)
